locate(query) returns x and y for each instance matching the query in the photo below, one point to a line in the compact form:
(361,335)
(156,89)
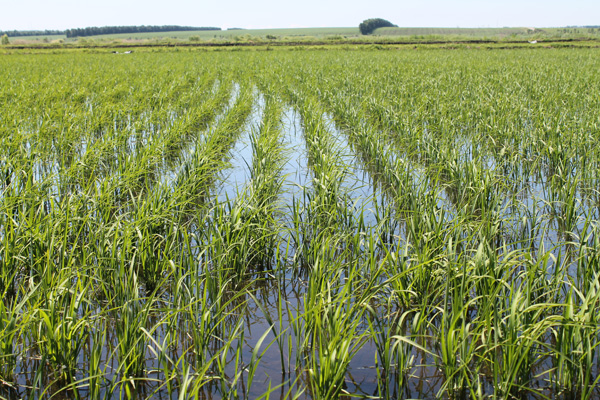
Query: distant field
(206,35)
(491,32)
(451,31)
(225,34)
(36,38)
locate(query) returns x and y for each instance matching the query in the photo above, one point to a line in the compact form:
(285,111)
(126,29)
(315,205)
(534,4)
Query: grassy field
(300,224)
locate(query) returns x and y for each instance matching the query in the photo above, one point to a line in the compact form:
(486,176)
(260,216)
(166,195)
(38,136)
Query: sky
(256,14)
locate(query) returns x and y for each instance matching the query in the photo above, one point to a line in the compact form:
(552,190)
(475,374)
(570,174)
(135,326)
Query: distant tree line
(47,32)
(369,25)
(107,30)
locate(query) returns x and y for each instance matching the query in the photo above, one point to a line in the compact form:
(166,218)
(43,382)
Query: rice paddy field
(300,225)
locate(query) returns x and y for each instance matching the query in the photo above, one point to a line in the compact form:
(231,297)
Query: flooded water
(238,174)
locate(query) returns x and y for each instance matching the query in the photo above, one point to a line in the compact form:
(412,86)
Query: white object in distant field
(532,41)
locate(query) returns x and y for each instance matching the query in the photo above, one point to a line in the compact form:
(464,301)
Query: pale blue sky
(62,14)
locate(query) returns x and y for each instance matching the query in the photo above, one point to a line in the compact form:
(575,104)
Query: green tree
(369,25)
(4,40)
